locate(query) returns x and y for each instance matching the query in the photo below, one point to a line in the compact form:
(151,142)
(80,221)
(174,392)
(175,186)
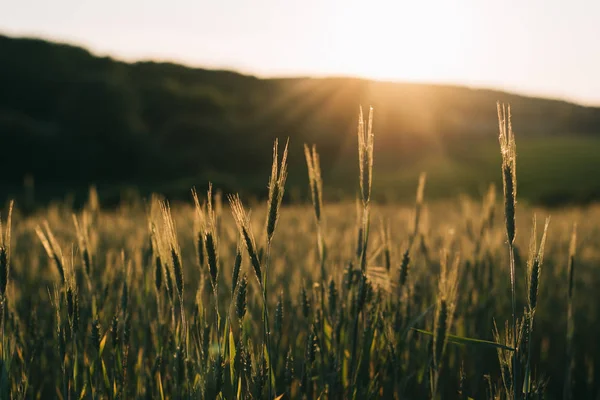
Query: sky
(548,48)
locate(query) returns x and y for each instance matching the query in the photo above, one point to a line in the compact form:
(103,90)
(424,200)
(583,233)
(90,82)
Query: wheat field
(224,298)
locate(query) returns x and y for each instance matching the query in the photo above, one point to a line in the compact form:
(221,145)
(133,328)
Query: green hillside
(69,118)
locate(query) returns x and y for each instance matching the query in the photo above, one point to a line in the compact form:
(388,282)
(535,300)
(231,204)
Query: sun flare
(398,41)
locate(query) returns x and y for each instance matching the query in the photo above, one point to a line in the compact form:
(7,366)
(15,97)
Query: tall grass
(154,300)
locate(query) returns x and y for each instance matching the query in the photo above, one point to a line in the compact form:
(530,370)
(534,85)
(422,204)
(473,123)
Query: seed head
(509,169)
(242,222)
(365,155)
(177,271)
(240,303)
(167,241)
(70,303)
(158,274)
(534,264)
(276,189)
(127,329)
(314,177)
(418,207)
(52,248)
(169,283)
(237,265)
(213,258)
(404,267)
(211,245)
(363,289)
(83,242)
(200,250)
(332,296)
(200,225)
(96,334)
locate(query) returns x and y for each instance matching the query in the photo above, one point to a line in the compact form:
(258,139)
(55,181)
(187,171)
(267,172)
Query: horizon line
(250,72)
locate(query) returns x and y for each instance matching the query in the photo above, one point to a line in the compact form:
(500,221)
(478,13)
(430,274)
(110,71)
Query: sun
(399,40)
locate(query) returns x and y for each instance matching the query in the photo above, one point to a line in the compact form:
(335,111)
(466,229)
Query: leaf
(328,330)
(470,341)
(268,360)
(225,337)
(75,370)
(232,354)
(527,381)
(416,320)
(105,376)
(160,386)
(102,344)
(83,392)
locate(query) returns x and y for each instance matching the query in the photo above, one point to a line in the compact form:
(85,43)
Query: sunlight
(400,40)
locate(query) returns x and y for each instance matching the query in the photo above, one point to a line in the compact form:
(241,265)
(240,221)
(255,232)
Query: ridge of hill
(71,118)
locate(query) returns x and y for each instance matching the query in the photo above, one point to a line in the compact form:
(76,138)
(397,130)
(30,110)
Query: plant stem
(511,254)
(267,332)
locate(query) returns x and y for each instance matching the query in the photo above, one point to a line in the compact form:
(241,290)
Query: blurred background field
(72,118)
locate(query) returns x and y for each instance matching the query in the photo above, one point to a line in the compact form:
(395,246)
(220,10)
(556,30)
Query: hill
(69,118)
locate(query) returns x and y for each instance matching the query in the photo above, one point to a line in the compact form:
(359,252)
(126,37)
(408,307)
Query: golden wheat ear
(365,154)
(242,223)
(276,189)
(315,180)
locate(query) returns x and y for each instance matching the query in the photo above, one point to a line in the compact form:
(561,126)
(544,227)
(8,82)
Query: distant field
(161,127)
(551,171)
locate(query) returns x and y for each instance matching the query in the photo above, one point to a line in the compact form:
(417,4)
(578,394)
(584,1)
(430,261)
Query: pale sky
(539,47)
